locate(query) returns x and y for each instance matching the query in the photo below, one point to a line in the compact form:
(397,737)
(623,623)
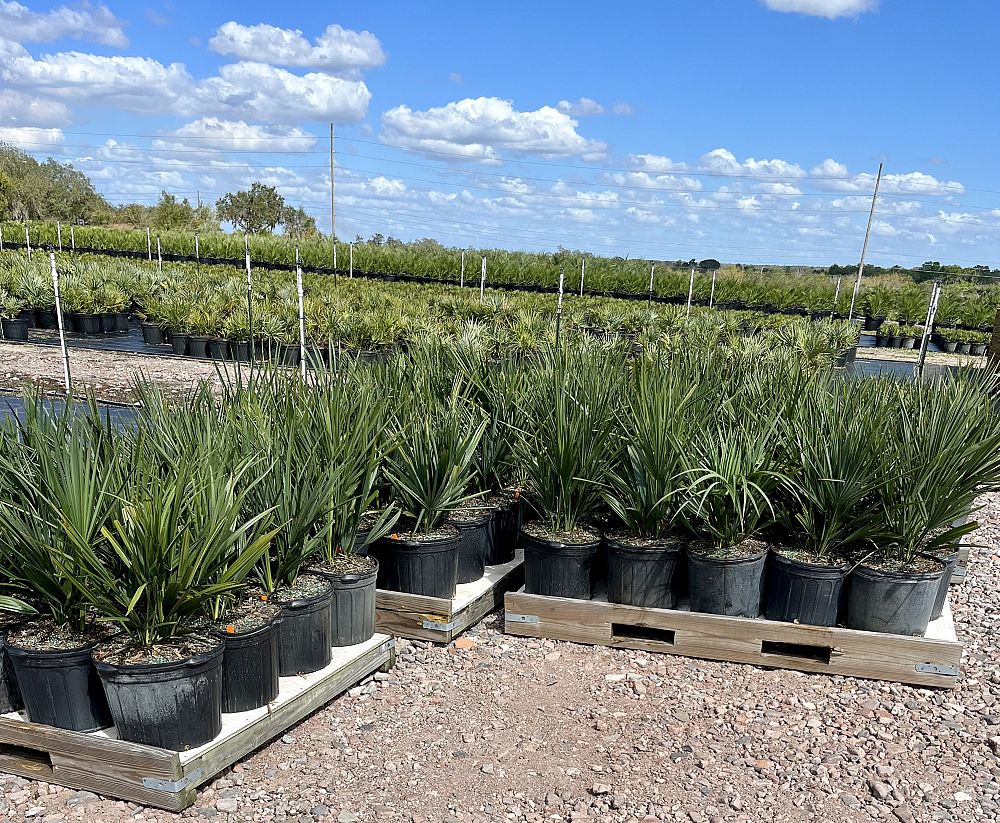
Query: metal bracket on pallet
(936,668)
(958,571)
(159,785)
(434,626)
(521,618)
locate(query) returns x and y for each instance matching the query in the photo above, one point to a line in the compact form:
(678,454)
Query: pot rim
(105,667)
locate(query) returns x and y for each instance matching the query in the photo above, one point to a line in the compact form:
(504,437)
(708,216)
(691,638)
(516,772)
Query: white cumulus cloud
(85,21)
(336,49)
(655,163)
(724,162)
(584,107)
(30,139)
(222,135)
(831,9)
(479,128)
(18,109)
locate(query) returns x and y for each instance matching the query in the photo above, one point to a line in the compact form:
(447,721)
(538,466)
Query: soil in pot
(250,632)
(641,570)
(152,335)
(894,598)
(304,644)
(474,536)
(14,329)
(559,564)
(57,678)
(727,581)
(805,588)
(167,695)
(198,346)
(353,611)
(179,343)
(424,563)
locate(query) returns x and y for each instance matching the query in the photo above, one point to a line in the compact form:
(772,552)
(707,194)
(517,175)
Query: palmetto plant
(569,438)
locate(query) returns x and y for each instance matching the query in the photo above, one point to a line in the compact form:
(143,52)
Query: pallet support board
(101,763)
(438,620)
(933,660)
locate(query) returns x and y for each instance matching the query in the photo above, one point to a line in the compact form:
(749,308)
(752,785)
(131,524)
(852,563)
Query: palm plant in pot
(14,327)
(568,443)
(943,452)
(59,489)
(836,443)
(178,544)
(429,475)
(646,485)
(345,415)
(733,475)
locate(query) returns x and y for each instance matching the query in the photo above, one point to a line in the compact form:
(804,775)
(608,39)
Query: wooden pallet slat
(932,660)
(435,619)
(101,763)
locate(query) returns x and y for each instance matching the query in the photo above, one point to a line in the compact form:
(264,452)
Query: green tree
(254,211)
(169,213)
(297,223)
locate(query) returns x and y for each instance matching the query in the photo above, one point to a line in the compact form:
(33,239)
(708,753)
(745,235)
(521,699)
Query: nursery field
(966,312)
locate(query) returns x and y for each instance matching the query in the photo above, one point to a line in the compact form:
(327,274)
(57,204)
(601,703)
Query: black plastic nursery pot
(555,568)
(198,346)
(108,324)
(305,643)
(250,668)
(14,329)
(288,354)
(893,602)
(122,321)
(474,539)
(175,705)
(352,611)
(240,350)
(47,319)
(642,573)
(729,585)
(420,565)
(29,316)
(218,349)
(977,349)
(950,561)
(10,694)
(152,335)
(873,323)
(87,323)
(507,522)
(802,592)
(179,343)
(61,688)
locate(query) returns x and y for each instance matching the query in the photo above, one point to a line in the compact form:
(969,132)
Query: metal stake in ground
(928,325)
(583,272)
(461,277)
(72,239)
(649,302)
(59,322)
(197,253)
(246,244)
(27,240)
(336,279)
(711,296)
(690,292)
(59,234)
(149,245)
(1,236)
(350,260)
(482,282)
(302,314)
(159,256)
(836,296)
(562,276)
(864,247)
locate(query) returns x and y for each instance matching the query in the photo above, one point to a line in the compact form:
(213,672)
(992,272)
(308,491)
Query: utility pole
(333,203)
(864,247)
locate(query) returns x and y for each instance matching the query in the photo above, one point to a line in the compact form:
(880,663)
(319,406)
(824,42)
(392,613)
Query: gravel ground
(109,375)
(513,729)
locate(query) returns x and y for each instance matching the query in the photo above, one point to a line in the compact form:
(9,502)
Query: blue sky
(747,130)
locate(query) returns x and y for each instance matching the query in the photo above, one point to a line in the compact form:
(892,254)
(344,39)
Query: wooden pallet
(441,621)
(101,763)
(927,661)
